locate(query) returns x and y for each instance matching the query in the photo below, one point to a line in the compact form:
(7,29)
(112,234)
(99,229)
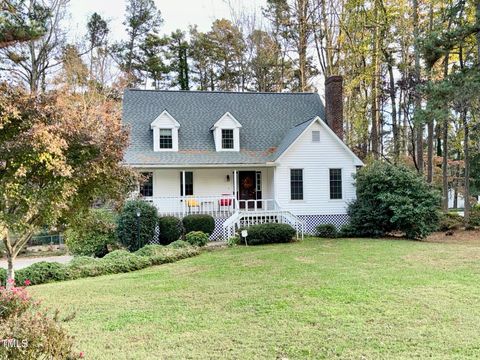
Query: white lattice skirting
(312,221)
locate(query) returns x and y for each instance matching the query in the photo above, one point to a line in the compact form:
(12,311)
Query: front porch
(218,192)
(234,197)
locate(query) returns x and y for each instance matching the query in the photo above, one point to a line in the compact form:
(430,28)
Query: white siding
(315,158)
(206,182)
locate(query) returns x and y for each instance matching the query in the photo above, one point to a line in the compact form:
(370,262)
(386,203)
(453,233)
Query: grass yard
(318,299)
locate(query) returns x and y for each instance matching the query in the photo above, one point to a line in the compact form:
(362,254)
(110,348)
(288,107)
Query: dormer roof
(164,120)
(226,121)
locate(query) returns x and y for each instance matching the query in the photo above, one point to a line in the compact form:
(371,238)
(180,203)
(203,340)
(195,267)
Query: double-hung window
(227,139)
(166,139)
(296,184)
(146,187)
(335,184)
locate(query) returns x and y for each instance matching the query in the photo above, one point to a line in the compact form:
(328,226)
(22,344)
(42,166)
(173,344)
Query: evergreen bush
(135,231)
(393,198)
(199,222)
(171,229)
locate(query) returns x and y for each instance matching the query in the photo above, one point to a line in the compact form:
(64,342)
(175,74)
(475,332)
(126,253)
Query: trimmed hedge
(129,224)
(199,222)
(41,273)
(171,229)
(197,238)
(118,261)
(326,231)
(269,234)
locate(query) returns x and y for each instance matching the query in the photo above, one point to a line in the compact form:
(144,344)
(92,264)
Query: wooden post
(183,191)
(235,186)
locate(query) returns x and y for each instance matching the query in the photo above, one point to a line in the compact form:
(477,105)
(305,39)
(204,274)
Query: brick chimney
(334,104)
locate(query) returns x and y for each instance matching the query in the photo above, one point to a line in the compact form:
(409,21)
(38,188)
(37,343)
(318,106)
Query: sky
(177,14)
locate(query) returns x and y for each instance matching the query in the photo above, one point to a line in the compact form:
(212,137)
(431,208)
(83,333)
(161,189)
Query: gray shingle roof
(269,124)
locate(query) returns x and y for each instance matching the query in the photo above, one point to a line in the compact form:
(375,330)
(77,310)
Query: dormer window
(227,139)
(226,133)
(166,139)
(165,132)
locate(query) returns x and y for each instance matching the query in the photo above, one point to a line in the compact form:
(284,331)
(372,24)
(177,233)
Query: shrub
(326,231)
(170,229)
(118,261)
(3,277)
(165,254)
(233,241)
(475,215)
(179,244)
(393,198)
(130,226)
(197,238)
(91,233)
(41,273)
(197,222)
(149,250)
(269,234)
(29,332)
(346,230)
(14,302)
(450,221)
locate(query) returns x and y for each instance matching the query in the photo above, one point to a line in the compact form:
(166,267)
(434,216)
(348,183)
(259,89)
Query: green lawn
(358,299)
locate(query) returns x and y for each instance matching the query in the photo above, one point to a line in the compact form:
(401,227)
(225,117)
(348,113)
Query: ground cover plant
(118,261)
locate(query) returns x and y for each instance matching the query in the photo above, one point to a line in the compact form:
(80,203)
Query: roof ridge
(303,122)
(225,92)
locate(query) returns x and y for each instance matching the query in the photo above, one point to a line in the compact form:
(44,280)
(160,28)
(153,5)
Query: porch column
(183,191)
(235,187)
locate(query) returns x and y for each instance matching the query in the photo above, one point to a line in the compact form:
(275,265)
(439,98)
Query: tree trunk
(10,272)
(10,252)
(430,124)
(445,148)
(445,166)
(302,12)
(466,191)
(418,101)
(430,128)
(375,111)
(396,140)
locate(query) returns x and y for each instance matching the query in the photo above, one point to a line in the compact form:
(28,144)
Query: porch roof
(267,121)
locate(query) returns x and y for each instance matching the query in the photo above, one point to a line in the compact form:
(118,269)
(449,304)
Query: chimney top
(334,104)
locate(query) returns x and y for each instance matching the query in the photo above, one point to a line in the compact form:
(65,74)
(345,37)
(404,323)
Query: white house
(244,158)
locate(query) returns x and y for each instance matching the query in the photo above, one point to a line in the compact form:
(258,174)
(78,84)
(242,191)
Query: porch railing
(258,205)
(217,206)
